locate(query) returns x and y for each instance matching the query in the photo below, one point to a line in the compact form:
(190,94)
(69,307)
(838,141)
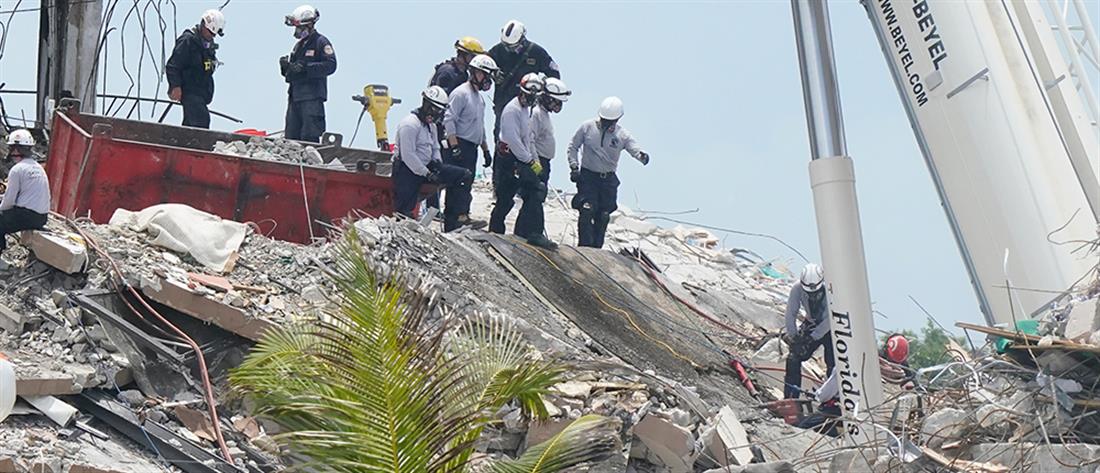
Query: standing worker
(452,73)
(517,168)
(597,196)
(25,204)
(418,160)
(464,122)
(190,70)
(516,56)
(554,95)
(808,294)
(306,69)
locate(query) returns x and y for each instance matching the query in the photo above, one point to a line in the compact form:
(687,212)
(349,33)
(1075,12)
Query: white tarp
(211,240)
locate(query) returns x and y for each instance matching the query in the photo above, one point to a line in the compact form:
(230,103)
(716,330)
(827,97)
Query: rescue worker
(464,122)
(25,204)
(554,95)
(452,73)
(417,160)
(306,69)
(516,168)
(808,294)
(603,141)
(516,56)
(894,354)
(190,69)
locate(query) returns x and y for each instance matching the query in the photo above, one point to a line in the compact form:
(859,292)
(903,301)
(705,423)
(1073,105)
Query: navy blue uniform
(191,68)
(449,76)
(515,65)
(308,89)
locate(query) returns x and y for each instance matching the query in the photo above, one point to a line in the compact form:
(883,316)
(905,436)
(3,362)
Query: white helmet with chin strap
(214,22)
(611,108)
(512,33)
(813,277)
(557,90)
(435,96)
(304,15)
(20,137)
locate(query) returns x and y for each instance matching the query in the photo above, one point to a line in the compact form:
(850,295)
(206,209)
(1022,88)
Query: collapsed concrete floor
(650,323)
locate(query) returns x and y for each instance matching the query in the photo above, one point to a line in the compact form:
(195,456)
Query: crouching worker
(26,201)
(418,160)
(804,339)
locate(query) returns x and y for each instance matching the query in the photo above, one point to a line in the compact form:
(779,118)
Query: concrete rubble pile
(274,149)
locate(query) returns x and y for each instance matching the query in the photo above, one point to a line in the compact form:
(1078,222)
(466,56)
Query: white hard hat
(303,16)
(611,108)
(21,137)
(556,89)
(532,83)
(812,277)
(436,96)
(512,32)
(484,63)
(214,21)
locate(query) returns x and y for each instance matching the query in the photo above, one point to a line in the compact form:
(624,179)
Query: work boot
(541,241)
(464,220)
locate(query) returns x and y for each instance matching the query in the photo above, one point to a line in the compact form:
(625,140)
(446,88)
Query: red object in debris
(251,132)
(789,409)
(743,376)
(99,164)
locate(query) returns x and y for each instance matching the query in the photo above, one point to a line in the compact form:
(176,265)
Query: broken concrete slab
(729,443)
(1083,319)
(45,384)
(772,467)
(539,432)
(178,296)
(67,252)
(669,442)
(1039,458)
(57,410)
(11,321)
(943,425)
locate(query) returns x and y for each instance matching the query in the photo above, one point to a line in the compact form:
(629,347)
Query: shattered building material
(54,408)
(64,251)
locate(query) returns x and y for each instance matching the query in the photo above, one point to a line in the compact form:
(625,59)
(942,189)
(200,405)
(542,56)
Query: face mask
(607,124)
(301,32)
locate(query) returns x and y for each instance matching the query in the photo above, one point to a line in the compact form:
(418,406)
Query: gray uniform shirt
(799,299)
(28,187)
(416,144)
(465,118)
(542,132)
(601,148)
(515,130)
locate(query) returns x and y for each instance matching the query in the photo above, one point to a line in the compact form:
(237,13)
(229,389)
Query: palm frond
(590,438)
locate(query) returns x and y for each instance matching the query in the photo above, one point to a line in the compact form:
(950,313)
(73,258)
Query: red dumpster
(99,164)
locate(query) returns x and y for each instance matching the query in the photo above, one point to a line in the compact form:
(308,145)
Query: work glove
(789,339)
(296,67)
(574,175)
(487,158)
(284,64)
(432,177)
(456,152)
(433,166)
(643,157)
(536,166)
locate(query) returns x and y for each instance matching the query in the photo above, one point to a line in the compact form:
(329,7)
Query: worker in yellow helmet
(452,73)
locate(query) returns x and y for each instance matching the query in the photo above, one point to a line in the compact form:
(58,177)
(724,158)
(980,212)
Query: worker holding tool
(554,95)
(516,56)
(452,73)
(418,160)
(306,70)
(517,168)
(25,204)
(603,141)
(190,69)
(893,355)
(808,294)
(464,122)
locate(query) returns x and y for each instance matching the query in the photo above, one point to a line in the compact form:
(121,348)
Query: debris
(196,422)
(728,439)
(54,408)
(672,444)
(66,252)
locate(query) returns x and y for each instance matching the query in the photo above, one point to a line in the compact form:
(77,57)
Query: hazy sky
(711,91)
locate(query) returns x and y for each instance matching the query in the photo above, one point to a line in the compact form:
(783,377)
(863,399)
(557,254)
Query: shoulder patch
(531,61)
(328,50)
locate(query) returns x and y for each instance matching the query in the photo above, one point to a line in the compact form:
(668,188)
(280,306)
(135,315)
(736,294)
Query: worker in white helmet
(809,295)
(553,97)
(464,122)
(599,143)
(190,69)
(418,160)
(306,70)
(516,56)
(516,168)
(25,203)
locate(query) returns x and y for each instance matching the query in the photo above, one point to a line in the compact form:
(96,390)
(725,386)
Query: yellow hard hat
(469,44)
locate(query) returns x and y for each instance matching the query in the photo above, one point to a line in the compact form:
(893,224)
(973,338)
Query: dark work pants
(457,199)
(802,350)
(406,185)
(531,220)
(824,421)
(305,120)
(195,112)
(433,200)
(597,196)
(17,219)
(511,177)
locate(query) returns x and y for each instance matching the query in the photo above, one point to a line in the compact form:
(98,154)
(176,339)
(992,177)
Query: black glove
(296,67)
(284,64)
(487,157)
(432,177)
(433,166)
(456,152)
(643,157)
(574,174)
